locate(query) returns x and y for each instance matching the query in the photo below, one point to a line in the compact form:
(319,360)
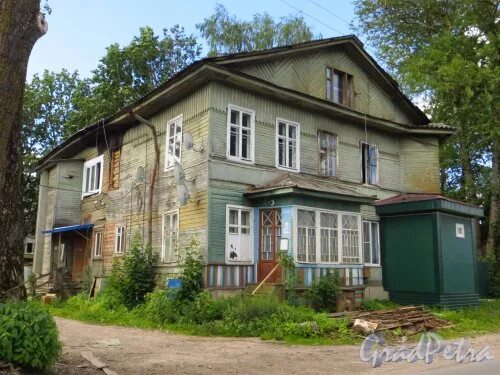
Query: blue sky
(80,30)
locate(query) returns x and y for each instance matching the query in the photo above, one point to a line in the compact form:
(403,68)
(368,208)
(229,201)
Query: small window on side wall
(92,176)
(327,143)
(97,244)
(369,163)
(339,87)
(170,237)
(120,239)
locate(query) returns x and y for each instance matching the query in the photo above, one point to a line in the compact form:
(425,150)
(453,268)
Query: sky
(80,30)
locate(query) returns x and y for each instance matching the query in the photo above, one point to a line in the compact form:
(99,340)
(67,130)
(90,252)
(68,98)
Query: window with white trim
(327,153)
(239,242)
(92,176)
(306,236)
(327,237)
(287,145)
(97,244)
(120,239)
(329,244)
(371,243)
(28,248)
(369,162)
(170,237)
(174,142)
(240,134)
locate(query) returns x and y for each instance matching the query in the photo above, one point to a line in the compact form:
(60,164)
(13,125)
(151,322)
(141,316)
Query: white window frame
(120,239)
(365,168)
(171,159)
(238,158)
(174,257)
(318,235)
(286,138)
(320,131)
(370,223)
(251,234)
(97,251)
(32,248)
(88,165)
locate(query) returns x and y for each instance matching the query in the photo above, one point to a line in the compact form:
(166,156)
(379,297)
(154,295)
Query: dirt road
(136,351)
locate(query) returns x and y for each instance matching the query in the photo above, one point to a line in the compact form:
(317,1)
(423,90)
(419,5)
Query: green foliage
(191,273)
(428,46)
(159,309)
(227,34)
(131,280)
(290,276)
(87,280)
(376,304)
(323,294)
(28,336)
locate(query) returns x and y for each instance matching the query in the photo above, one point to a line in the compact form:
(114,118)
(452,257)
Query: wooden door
(270,234)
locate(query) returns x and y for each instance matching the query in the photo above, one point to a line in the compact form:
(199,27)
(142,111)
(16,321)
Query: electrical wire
(329,11)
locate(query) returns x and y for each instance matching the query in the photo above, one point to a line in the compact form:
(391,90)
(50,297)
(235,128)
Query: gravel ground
(137,351)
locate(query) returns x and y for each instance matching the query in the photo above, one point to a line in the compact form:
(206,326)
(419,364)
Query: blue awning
(84,227)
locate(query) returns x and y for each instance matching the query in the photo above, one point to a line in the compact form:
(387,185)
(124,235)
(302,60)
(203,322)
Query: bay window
(371,243)
(327,237)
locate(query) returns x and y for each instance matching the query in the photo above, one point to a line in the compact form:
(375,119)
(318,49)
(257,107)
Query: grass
(266,318)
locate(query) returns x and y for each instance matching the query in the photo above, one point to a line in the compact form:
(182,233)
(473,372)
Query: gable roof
(210,68)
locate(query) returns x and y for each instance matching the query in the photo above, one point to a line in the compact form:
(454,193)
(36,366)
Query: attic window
(339,87)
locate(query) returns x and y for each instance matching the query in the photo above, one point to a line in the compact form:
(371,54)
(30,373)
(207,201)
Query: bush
(28,336)
(158,308)
(323,294)
(191,273)
(129,282)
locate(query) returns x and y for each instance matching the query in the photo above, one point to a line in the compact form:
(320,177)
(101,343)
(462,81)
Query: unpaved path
(137,351)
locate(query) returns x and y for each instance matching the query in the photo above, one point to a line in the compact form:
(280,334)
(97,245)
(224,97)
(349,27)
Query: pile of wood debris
(412,319)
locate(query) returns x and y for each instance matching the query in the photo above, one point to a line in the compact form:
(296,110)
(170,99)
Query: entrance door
(270,234)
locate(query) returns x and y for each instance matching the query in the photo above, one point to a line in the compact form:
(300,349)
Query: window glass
(240,129)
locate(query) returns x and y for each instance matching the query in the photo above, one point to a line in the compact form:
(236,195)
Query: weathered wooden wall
(306,73)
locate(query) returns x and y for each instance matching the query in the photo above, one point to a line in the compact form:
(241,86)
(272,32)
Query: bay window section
(327,237)
(240,134)
(371,243)
(287,145)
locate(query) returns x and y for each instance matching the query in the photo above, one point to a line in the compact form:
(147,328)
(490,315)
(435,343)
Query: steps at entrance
(267,289)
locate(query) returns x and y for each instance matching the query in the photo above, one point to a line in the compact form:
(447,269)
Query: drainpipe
(152,178)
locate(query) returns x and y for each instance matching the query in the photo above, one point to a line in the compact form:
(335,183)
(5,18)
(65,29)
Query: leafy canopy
(225,33)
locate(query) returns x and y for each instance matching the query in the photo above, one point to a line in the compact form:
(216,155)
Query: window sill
(242,161)
(240,262)
(89,194)
(293,170)
(97,258)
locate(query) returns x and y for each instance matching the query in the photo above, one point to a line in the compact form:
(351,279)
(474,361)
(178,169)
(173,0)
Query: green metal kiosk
(428,250)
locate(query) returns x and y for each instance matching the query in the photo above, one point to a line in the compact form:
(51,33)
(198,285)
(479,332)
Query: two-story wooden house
(288,149)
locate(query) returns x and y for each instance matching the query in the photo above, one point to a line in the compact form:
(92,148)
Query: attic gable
(302,68)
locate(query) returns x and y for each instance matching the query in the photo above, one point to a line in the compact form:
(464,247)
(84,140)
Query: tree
(127,73)
(21,25)
(48,103)
(448,52)
(227,34)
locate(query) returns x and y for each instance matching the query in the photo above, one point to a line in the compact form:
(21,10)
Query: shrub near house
(28,336)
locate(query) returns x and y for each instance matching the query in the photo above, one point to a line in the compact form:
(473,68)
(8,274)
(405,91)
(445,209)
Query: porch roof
(69,228)
(291,183)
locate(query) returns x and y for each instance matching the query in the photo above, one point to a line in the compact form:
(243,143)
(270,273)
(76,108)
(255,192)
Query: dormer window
(339,87)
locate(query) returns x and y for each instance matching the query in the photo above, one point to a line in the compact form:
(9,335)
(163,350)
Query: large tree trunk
(21,25)
(493,242)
